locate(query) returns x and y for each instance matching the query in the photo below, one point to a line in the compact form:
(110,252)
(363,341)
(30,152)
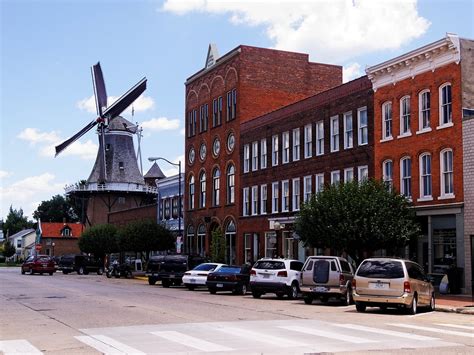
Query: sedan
(38,264)
(198,276)
(229,278)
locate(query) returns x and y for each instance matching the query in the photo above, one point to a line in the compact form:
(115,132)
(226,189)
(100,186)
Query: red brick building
(324,139)
(60,238)
(235,88)
(418,128)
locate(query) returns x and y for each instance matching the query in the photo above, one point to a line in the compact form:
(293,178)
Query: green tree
(217,246)
(99,240)
(145,236)
(57,209)
(15,222)
(357,217)
(8,249)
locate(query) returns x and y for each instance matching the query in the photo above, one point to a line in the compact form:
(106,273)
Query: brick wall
(121,218)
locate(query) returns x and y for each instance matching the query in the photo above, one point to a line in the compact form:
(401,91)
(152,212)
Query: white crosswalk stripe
(457,326)
(327,334)
(190,341)
(385,332)
(434,330)
(108,346)
(18,346)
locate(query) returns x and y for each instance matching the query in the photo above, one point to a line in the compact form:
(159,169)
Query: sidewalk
(455,303)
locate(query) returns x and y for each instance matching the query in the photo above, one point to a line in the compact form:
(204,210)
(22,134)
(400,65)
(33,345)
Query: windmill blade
(102,160)
(99,88)
(66,143)
(125,100)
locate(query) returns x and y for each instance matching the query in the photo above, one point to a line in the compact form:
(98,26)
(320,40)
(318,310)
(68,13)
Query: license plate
(192,280)
(266,276)
(44,265)
(220,285)
(320,289)
(378,285)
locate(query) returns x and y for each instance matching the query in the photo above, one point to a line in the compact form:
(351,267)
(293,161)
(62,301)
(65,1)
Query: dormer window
(66,232)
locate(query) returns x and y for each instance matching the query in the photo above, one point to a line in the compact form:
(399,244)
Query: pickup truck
(170,268)
(82,264)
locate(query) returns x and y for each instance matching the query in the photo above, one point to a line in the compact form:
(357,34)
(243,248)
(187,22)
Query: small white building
(22,242)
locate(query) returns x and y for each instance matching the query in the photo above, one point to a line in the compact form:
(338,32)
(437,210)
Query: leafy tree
(99,240)
(8,249)
(145,236)
(56,209)
(357,217)
(217,246)
(15,222)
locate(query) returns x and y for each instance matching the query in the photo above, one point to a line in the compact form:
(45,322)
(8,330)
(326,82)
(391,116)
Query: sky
(48,47)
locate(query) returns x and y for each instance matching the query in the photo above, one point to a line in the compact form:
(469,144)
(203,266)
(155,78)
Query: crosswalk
(262,337)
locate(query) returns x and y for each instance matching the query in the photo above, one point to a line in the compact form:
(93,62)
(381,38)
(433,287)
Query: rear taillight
(253,272)
(353,284)
(342,279)
(282,274)
(407,287)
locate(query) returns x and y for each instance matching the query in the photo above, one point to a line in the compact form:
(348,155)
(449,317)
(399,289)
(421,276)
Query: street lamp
(151,159)
(53,245)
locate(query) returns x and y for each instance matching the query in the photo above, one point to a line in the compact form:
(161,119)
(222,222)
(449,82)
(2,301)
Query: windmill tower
(115,183)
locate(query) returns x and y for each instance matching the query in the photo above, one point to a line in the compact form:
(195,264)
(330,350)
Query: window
(424,112)
(363,131)
(425,176)
(263,153)
(275,150)
(167,208)
(217,112)
(335,177)
(445,108)
(387,120)
(387,167)
(296,194)
(320,138)
(348,130)
(18,243)
(216,176)
(202,185)
(285,201)
(296,144)
(174,206)
(275,197)
(192,123)
(231,104)
(246,204)
(348,174)
(286,147)
(255,156)
(405,173)
(66,232)
(203,118)
(191,192)
(231,184)
(121,167)
(319,182)
(334,134)
(254,198)
(246,158)
(308,188)
(263,199)
(447,185)
(363,173)
(308,141)
(405,113)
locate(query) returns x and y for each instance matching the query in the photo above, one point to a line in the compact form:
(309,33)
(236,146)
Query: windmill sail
(99,88)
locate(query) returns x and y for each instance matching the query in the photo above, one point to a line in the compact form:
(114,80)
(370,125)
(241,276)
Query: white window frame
(308,141)
(307,187)
(348,174)
(387,121)
(255,156)
(202,189)
(442,104)
(428,175)
(319,186)
(246,158)
(334,128)
(362,130)
(263,198)
(361,176)
(335,177)
(348,130)
(246,201)
(444,174)
(263,153)
(296,144)
(285,195)
(405,117)
(254,201)
(320,138)
(403,178)
(387,176)
(285,137)
(422,128)
(275,196)
(296,196)
(275,150)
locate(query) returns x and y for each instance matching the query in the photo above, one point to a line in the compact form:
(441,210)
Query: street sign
(38,247)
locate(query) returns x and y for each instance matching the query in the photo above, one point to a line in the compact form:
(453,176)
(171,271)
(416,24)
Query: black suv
(82,264)
(170,268)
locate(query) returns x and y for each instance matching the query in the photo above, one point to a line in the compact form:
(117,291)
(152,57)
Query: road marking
(107,345)
(190,341)
(325,334)
(385,332)
(256,336)
(18,346)
(457,326)
(434,330)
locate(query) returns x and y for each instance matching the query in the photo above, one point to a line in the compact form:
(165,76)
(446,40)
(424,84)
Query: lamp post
(151,159)
(53,245)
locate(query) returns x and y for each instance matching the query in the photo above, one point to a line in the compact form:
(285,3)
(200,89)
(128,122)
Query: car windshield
(229,270)
(43,259)
(269,265)
(205,267)
(381,269)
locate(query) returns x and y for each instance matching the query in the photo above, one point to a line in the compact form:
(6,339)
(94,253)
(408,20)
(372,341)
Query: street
(90,314)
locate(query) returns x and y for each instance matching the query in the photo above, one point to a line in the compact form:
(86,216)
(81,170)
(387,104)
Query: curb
(460,310)
(142,278)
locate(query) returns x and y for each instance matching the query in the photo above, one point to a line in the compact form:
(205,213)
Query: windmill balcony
(111,186)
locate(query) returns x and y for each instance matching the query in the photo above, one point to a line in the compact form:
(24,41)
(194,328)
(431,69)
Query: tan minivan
(387,282)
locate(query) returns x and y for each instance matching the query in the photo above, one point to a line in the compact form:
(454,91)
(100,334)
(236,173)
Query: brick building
(60,238)
(418,109)
(289,154)
(235,88)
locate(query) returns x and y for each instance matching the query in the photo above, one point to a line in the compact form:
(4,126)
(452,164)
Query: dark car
(229,278)
(38,264)
(170,268)
(82,264)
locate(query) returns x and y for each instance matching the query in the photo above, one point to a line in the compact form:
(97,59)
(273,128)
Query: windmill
(105,114)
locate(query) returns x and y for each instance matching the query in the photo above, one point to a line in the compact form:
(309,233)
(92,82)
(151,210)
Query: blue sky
(48,47)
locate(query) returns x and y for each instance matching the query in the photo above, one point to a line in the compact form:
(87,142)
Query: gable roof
(53,230)
(21,234)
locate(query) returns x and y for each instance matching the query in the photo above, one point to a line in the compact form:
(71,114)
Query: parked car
(229,278)
(170,268)
(198,276)
(38,264)
(82,264)
(387,282)
(324,277)
(279,276)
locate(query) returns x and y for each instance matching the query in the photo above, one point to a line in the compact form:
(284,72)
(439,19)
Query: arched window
(191,192)
(387,120)
(447,178)
(216,175)
(425,176)
(231,184)
(445,108)
(405,113)
(387,167)
(202,191)
(201,237)
(189,239)
(230,232)
(424,114)
(405,176)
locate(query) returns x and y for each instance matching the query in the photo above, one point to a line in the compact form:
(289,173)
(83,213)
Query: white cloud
(4,174)
(351,71)
(170,170)
(34,136)
(160,124)
(330,31)
(143,103)
(182,131)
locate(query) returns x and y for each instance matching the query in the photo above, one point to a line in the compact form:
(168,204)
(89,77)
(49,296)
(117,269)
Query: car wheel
(80,271)
(347,300)
(151,281)
(308,299)
(31,272)
(432,303)
(360,307)
(165,283)
(413,307)
(243,289)
(50,274)
(108,274)
(100,271)
(190,287)
(128,274)
(22,271)
(256,294)
(293,292)
(212,291)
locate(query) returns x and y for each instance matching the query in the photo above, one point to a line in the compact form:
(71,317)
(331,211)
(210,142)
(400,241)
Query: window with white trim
(191,192)
(405,113)
(286,147)
(231,184)
(387,167)
(255,156)
(387,120)
(319,182)
(335,134)
(263,153)
(425,176)
(203,118)
(348,174)
(275,197)
(275,150)
(335,177)
(447,177)
(246,158)
(320,138)
(296,194)
(405,173)
(348,130)
(217,111)
(263,199)
(202,191)
(308,141)
(307,187)
(362,173)
(254,199)
(296,144)
(363,129)
(445,108)
(424,114)
(246,201)
(216,187)
(285,199)
(231,104)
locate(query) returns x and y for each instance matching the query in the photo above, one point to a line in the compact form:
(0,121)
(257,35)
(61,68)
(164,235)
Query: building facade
(169,200)
(231,90)
(290,154)
(60,238)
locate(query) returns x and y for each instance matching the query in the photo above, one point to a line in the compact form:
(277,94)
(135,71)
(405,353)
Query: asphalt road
(90,314)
